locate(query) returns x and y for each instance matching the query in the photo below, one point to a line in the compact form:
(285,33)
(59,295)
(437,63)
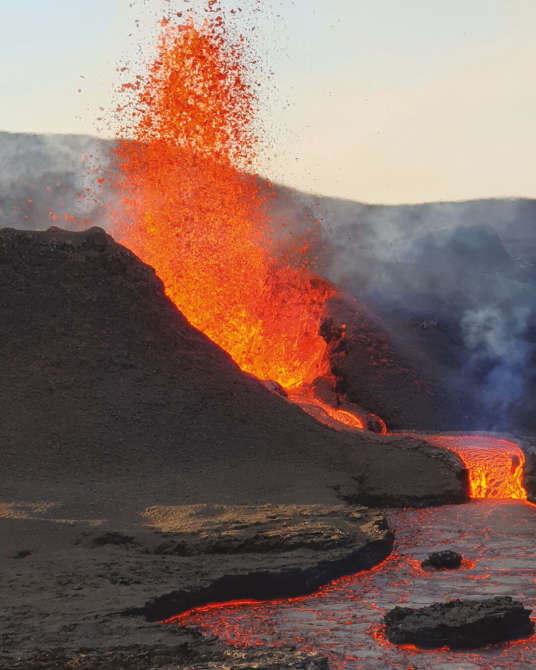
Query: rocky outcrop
(284,551)
(177,556)
(460,624)
(383,366)
(442,560)
(377,490)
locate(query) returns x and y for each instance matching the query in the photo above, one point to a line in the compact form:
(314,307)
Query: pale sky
(374,100)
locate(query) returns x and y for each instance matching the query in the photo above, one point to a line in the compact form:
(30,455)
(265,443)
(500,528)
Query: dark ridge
(267,585)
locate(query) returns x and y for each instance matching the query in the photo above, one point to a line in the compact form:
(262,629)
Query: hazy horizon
(312,193)
(369,101)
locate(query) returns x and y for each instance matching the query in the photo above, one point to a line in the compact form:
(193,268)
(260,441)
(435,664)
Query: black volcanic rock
(448,560)
(302,547)
(528,444)
(382,366)
(112,537)
(113,402)
(460,624)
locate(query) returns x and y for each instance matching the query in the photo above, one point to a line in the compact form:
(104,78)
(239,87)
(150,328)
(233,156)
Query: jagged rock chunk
(460,624)
(446,560)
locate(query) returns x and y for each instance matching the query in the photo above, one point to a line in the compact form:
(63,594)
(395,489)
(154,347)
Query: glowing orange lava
(495,466)
(345,416)
(191,207)
(338,418)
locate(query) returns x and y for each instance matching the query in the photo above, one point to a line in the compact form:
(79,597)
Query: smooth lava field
(343,620)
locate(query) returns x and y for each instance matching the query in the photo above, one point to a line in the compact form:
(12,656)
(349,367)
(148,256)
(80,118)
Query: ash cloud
(453,281)
(49,176)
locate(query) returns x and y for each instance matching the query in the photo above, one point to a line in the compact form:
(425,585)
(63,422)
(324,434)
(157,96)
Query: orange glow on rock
(321,592)
(191,207)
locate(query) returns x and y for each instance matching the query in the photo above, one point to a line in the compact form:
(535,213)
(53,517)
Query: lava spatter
(191,206)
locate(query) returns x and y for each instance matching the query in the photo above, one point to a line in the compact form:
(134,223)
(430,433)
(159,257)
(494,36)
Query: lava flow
(495,466)
(343,620)
(191,207)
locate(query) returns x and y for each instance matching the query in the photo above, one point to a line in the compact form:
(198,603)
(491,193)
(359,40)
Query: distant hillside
(54,171)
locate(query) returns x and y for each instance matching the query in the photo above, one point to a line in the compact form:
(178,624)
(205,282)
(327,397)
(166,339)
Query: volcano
(123,426)
(114,401)
(185,401)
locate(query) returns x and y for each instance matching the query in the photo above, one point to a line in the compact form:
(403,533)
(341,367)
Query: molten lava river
(343,619)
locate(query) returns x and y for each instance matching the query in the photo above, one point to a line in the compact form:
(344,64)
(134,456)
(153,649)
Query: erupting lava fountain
(192,208)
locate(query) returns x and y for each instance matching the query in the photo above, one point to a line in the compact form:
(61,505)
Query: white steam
(496,340)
